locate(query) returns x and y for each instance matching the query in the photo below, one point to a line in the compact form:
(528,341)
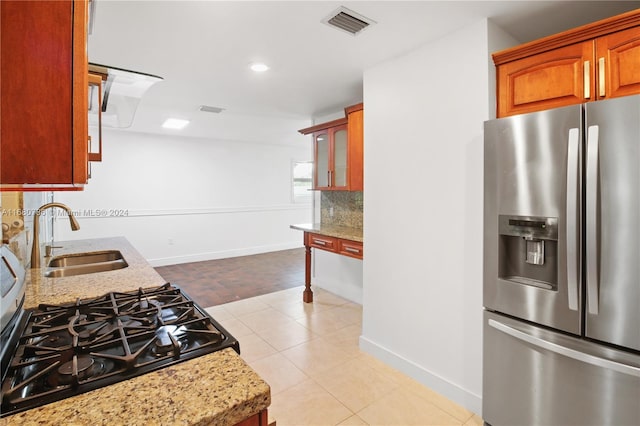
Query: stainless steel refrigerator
(561,342)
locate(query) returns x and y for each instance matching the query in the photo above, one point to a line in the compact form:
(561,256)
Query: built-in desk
(341,240)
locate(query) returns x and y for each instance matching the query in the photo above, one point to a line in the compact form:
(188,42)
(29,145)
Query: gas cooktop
(64,350)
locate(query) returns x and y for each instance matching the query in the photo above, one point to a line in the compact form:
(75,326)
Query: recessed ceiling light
(259,67)
(174,123)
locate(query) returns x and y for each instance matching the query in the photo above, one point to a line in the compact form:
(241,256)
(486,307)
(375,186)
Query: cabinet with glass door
(338,152)
(330,147)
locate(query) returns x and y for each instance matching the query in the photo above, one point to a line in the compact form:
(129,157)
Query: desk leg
(307,295)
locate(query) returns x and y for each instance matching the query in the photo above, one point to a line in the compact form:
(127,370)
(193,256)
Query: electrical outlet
(330,211)
(170,241)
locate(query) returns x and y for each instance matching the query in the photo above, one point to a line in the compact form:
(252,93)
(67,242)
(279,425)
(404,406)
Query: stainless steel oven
(12,290)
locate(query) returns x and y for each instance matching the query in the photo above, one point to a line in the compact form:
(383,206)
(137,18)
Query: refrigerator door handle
(592,219)
(565,351)
(572,242)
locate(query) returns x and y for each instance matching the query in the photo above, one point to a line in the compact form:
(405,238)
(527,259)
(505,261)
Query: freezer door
(532,267)
(613,221)
(533,376)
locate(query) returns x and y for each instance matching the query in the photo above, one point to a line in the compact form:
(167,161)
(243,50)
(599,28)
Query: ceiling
(203,49)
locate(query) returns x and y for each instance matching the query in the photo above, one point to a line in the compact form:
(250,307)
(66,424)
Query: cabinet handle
(351,250)
(601,79)
(320,242)
(573,245)
(591,205)
(587,79)
(96,80)
(559,349)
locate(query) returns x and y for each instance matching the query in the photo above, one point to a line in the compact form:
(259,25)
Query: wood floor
(215,282)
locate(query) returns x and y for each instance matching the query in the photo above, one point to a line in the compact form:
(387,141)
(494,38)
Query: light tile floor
(309,355)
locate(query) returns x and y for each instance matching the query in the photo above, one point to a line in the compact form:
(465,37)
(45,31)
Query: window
(302,173)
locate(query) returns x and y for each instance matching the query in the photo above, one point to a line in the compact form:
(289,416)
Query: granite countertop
(344,232)
(139,273)
(217,388)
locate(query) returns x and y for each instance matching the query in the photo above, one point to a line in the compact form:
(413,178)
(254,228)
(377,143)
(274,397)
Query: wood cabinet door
(259,419)
(44,94)
(546,80)
(355,133)
(618,64)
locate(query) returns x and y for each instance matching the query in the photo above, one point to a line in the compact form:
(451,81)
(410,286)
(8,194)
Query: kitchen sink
(74,259)
(85,263)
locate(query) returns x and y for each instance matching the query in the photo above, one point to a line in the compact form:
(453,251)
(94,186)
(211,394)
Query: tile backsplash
(18,210)
(343,208)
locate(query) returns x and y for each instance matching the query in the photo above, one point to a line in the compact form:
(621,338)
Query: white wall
(338,274)
(423,207)
(190,199)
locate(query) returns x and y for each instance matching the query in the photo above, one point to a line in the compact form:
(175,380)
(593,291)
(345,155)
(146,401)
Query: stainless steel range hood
(122,91)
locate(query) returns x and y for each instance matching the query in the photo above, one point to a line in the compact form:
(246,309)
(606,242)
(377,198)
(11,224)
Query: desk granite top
(344,232)
(217,388)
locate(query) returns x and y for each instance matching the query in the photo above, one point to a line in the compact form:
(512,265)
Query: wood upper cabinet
(355,135)
(590,63)
(44,77)
(338,152)
(330,158)
(618,64)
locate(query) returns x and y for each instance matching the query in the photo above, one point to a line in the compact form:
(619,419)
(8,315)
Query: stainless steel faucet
(35,249)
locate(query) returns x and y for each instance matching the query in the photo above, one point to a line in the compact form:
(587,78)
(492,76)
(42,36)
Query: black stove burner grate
(64,350)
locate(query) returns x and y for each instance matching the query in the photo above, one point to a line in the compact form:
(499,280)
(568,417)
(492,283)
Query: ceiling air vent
(347,20)
(207,108)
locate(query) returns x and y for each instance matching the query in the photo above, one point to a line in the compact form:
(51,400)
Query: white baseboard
(439,384)
(200,257)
